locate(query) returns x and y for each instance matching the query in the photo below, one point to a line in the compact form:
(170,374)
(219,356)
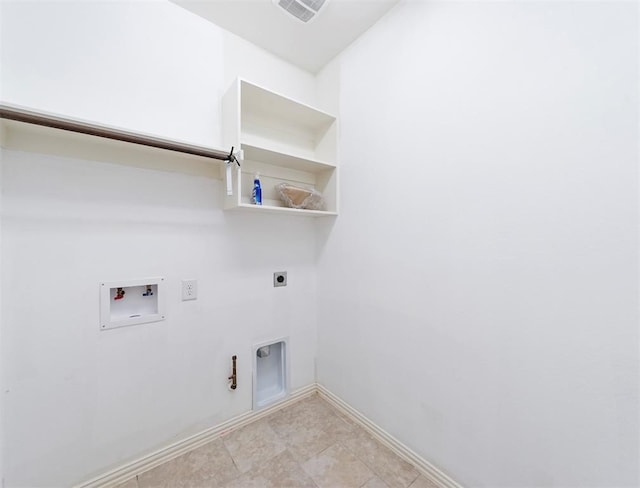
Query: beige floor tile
(394,471)
(280,472)
(307,444)
(337,467)
(165,475)
(253,445)
(308,427)
(312,407)
(422,482)
(132,483)
(207,466)
(375,483)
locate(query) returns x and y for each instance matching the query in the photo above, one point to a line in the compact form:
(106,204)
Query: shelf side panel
(326,146)
(327,183)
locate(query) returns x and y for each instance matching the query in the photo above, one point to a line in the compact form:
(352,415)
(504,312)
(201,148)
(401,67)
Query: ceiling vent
(303,10)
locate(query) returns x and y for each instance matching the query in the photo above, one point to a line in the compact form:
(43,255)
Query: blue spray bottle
(256,197)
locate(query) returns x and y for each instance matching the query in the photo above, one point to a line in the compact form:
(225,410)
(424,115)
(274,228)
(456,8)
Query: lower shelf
(307,174)
(248,207)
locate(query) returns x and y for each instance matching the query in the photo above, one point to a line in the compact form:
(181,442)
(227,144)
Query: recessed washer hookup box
(132,302)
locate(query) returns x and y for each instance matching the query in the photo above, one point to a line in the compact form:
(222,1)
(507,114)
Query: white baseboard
(145,463)
(427,469)
(129,470)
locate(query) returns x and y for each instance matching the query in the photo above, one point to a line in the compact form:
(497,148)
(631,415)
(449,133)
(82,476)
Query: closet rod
(20,114)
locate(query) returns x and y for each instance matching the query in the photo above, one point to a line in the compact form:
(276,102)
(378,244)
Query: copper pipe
(233,377)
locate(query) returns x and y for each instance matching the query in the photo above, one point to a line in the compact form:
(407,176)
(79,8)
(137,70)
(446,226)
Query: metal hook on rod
(231,158)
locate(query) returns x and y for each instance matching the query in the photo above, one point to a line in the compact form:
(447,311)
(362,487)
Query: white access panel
(131,302)
(270,372)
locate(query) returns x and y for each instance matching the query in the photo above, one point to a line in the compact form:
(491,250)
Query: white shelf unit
(283,140)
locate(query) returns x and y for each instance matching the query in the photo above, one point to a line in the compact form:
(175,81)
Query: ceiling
(309,46)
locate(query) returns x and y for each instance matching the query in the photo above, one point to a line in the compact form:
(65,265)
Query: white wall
(79,400)
(265,69)
(477,295)
(479,292)
(142,65)
(149,66)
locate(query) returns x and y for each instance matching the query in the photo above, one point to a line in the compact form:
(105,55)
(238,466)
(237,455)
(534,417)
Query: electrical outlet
(280,278)
(189,289)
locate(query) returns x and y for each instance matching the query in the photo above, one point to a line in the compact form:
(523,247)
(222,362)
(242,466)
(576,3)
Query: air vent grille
(297,10)
(314,5)
(303,10)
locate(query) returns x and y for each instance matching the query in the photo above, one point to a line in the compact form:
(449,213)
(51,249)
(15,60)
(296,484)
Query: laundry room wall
(478,296)
(78,400)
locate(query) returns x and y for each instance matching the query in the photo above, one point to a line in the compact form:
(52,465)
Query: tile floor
(307,444)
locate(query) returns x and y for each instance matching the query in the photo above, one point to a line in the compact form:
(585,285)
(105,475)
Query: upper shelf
(276,158)
(262,102)
(259,117)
